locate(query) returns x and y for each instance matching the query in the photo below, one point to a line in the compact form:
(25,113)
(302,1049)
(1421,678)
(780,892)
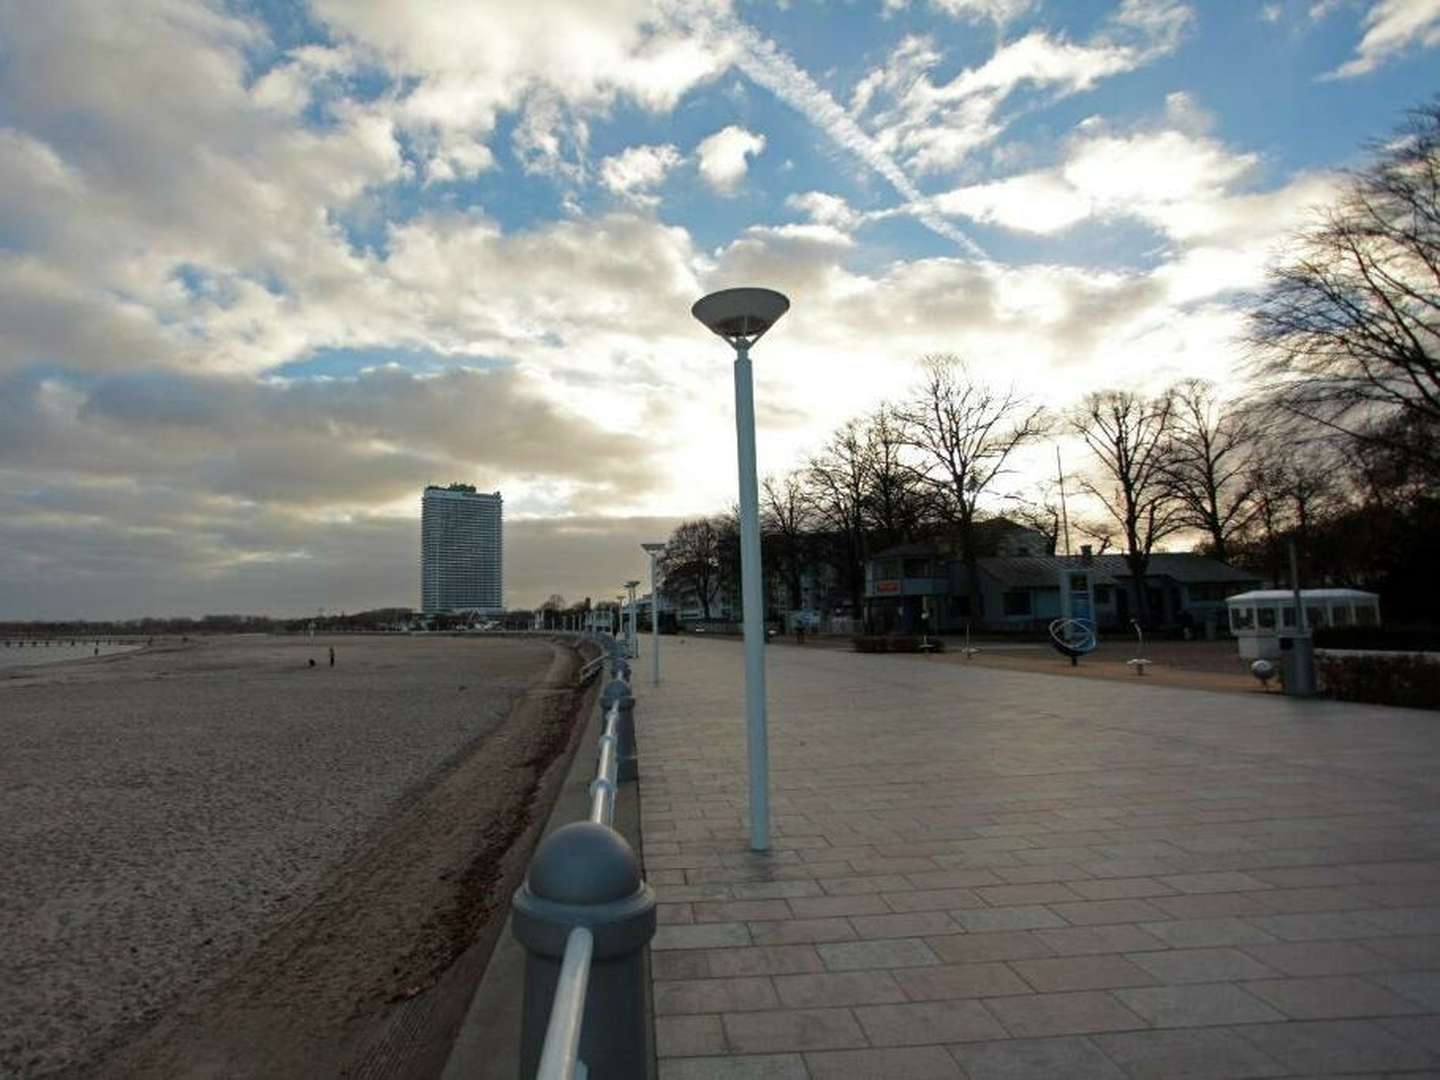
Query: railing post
(585,874)
(618,693)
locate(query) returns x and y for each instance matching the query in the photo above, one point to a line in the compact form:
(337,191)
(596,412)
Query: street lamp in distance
(654,550)
(742,317)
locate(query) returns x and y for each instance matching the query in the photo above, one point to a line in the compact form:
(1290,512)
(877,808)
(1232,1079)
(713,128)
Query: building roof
(1274,595)
(1041,570)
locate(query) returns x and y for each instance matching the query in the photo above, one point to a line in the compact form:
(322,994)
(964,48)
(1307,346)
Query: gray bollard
(627,764)
(585,874)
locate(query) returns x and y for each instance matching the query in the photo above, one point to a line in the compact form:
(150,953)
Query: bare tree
(894,505)
(1208,462)
(837,479)
(1348,331)
(692,560)
(1130,437)
(965,433)
(787,524)
(1040,511)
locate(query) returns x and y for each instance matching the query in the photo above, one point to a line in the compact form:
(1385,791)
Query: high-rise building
(460,550)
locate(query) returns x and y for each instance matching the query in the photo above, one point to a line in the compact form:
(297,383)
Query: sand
(218,860)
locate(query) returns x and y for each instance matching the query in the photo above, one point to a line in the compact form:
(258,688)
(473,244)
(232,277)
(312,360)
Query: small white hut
(1259,619)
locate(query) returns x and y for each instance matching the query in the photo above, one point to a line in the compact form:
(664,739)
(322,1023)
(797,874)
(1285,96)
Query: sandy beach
(219,860)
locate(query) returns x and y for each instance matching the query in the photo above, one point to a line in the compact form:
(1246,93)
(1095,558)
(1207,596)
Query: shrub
(1396,679)
(1382,638)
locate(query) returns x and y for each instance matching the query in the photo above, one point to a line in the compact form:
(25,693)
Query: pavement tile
(960,981)
(1331,997)
(1071,1057)
(1306,877)
(1201,965)
(1320,958)
(1421,987)
(1016,895)
(1222,882)
(928,1022)
(1418,952)
(792,1029)
(1335,1046)
(1182,933)
(688,1036)
(981,947)
(1013,918)
(679,964)
(947,879)
(775,890)
(1418,920)
(1120,888)
(1095,912)
(1197,1006)
(896,953)
(818,907)
(852,885)
(713,995)
(762,960)
(1082,973)
(1026,875)
(1421,1030)
(759,1067)
(911,924)
(800,931)
(1210,905)
(1315,926)
(932,900)
(740,910)
(1076,1013)
(838,988)
(895,1063)
(1191,1054)
(704,936)
(1092,940)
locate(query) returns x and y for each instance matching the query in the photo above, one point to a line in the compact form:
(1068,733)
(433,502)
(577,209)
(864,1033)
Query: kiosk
(1262,618)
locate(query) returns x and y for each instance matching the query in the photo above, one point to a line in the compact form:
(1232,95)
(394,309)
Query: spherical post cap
(584,863)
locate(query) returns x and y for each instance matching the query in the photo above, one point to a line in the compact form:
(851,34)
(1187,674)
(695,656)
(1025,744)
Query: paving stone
(932,900)
(1210,905)
(838,988)
(792,1029)
(1197,1006)
(1201,965)
(1222,882)
(960,981)
(1335,1046)
(928,1022)
(911,924)
(1320,958)
(1331,997)
(1016,895)
(895,953)
(1421,1030)
(1093,940)
(1182,933)
(851,885)
(1077,1013)
(1317,926)
(800,931)
(1024,875)
(763,960)
(817,907)
(741,910)
(713,995)
(980,947)
(1072,1057)
(1081,973)
(1421,987)
(1014,918)
(1420,951)
(1420,920)
(948,879)
(775,890)
(1305,877)
(897,1063)
(679,964)
(703,936)
(758,1067)
(1120,888)
(1191,1054)
(688,1036)
(1096,912)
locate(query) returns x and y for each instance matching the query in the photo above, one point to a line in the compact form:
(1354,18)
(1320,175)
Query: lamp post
(741,317)
(654,550)
(631,642)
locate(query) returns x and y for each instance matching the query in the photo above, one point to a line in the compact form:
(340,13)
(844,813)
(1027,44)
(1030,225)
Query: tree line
(1331,438)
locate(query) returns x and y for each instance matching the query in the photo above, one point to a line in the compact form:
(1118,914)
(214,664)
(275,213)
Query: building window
(917,568)
(1267,618)
(1242,618)
(1016,602)
(1102,594)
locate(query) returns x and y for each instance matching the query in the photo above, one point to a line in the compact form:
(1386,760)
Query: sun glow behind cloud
(262,278)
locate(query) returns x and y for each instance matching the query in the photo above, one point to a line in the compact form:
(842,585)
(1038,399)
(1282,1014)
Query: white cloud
(724,157)
(1391,28)
(825,209)
(636,170)
(997,11)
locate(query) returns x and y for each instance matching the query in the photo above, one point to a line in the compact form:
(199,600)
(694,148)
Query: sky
(268,268)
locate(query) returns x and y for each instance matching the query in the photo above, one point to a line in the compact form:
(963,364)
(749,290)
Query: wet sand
(219,861)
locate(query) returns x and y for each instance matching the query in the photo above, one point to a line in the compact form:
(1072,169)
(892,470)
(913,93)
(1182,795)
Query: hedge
(1397,679)
(1381,638)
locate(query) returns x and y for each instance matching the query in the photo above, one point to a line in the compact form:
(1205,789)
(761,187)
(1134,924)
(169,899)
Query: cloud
(636,170)
(1391,28)
(724,157)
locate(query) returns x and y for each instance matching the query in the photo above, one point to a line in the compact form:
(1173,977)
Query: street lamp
(741,317)
(631,645)
(654,550)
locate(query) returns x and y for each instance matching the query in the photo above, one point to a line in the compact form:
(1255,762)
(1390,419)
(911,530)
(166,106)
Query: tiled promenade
(991,874)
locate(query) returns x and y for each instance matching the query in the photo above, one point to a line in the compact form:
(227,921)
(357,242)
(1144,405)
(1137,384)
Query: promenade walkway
(989,873)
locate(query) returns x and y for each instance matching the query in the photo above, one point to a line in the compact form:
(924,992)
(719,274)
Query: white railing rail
(560,1059)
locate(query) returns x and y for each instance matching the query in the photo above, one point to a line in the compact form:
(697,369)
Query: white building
(460,550)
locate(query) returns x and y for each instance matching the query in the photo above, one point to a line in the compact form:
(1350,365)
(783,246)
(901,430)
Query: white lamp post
(632,649)
(654,550)
(741,317)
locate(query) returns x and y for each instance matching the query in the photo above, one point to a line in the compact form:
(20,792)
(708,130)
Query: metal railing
(585,883)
